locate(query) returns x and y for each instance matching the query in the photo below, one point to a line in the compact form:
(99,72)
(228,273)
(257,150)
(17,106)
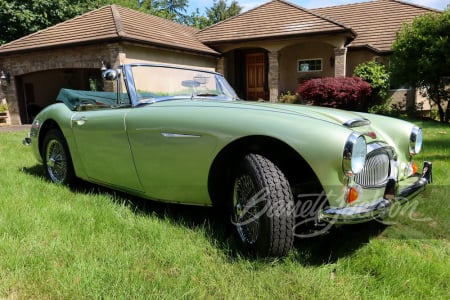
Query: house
(262,52)
(70,54)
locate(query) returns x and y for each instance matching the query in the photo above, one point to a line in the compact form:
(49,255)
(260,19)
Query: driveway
(10,128)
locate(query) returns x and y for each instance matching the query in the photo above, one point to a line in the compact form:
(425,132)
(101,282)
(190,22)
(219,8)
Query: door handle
(79,120)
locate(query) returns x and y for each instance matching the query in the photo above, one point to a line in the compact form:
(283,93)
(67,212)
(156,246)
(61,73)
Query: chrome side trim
(179,135)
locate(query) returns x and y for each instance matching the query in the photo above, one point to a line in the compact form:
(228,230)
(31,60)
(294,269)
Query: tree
(221,11)
(421,58)
(173,10)
(19,18)
(195,19)
(22,17)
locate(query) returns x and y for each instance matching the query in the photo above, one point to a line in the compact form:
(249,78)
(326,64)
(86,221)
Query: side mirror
(110,75)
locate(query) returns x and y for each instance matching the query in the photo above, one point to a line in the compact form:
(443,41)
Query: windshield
(158,83)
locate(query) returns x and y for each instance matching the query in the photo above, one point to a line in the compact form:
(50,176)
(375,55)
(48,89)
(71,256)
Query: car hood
(375,128)
(337,116)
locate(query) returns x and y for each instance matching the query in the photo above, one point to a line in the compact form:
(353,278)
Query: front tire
(263,207)
(56,157)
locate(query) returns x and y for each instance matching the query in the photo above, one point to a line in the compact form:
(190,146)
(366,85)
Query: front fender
(58,116)
(319,143)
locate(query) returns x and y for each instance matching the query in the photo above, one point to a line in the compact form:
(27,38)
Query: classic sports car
(181,135)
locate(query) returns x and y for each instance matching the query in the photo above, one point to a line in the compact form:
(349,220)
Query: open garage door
(38,90)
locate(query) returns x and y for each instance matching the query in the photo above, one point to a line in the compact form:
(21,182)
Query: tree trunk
(434,94)
(441,113)
(447,113)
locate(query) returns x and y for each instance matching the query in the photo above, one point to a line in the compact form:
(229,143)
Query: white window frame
(308,61)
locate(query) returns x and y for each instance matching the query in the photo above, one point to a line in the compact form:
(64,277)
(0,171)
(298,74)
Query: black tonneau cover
(76,98)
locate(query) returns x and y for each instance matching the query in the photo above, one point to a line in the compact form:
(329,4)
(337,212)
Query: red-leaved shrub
(349,93)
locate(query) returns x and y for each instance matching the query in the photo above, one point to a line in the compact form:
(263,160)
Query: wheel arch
(48,125)
(298,172)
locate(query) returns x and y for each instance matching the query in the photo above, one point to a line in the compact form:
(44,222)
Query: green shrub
(378,77)
(288,97)
(3,107)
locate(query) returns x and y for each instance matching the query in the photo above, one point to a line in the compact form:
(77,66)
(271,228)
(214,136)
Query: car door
(173,154)
(103,146)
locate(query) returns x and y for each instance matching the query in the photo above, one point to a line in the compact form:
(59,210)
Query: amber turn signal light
(352,195)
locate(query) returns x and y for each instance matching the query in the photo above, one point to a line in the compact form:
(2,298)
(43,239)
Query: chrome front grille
(376,169)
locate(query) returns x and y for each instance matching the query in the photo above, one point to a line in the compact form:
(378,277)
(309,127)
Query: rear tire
(56,157)
(263,207)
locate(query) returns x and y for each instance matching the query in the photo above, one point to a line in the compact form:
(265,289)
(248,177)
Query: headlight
(415,140)
(355,151)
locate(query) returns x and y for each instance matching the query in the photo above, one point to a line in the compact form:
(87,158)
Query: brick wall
(89,56)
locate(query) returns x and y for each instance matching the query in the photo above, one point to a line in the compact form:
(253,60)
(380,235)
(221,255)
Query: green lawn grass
(60,243)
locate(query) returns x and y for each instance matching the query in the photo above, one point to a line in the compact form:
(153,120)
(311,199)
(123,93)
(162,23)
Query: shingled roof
(108,24)
(375,22)
(275,19)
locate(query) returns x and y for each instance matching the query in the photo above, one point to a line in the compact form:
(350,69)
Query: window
(309,65)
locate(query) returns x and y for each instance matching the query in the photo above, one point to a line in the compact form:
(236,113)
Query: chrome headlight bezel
(415,140)
(355,152)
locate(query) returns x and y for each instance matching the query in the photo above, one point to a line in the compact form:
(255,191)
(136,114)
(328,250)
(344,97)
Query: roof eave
(350,36)
(107,40)
(371,49)
(59,46)
(173,47)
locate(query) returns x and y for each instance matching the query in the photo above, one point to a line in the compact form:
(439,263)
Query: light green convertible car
(181,135)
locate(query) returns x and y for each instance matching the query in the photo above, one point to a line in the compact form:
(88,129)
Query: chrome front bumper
(379,208)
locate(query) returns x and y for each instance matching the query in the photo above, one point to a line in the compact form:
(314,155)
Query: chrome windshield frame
(228,94)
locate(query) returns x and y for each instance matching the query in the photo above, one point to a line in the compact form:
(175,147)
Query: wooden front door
(256,75)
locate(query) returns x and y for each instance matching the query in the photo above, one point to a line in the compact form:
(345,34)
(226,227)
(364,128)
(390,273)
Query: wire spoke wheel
(262,207)
(57,160)
(246,208)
